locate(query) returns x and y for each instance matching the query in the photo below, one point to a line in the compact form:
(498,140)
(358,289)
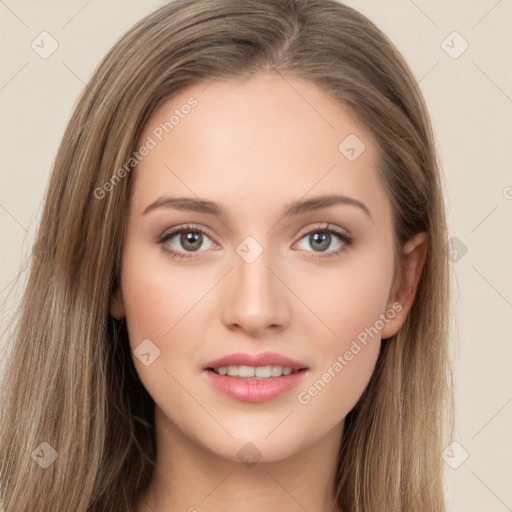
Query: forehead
(264,139)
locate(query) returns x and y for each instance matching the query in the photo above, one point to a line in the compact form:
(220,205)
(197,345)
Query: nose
(255,300)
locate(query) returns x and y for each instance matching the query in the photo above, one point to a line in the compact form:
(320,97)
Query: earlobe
(116,304)
(415,253)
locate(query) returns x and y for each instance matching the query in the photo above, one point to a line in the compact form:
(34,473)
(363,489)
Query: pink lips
(262,359)
(250,390)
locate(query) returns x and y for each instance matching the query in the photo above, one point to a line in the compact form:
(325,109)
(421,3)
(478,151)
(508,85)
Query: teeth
(251,372)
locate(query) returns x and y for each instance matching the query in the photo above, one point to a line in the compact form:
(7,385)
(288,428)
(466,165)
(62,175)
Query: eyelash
(345,238)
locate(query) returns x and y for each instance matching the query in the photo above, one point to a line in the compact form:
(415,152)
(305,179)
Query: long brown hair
(71,382)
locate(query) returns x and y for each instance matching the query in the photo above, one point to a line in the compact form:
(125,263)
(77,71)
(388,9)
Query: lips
(262,359)
(250,390)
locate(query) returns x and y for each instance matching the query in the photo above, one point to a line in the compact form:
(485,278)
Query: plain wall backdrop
(460,53)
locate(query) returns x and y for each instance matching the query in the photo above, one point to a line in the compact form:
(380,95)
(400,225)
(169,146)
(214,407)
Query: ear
(402,295)
(116,304)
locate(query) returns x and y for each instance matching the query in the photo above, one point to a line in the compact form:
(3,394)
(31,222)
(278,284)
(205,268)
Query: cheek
(331,393)
(157,295)
(164,305)
(349,300)
(346,298)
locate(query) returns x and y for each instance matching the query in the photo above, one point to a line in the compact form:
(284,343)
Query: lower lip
(248,390)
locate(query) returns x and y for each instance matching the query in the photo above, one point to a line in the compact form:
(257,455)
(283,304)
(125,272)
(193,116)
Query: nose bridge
(256,299)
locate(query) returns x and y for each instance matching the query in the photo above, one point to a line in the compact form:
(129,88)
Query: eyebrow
(295,208)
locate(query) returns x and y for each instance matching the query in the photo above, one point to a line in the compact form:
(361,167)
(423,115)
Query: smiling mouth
(243,372)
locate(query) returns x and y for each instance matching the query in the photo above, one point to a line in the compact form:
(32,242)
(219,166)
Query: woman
(238,295)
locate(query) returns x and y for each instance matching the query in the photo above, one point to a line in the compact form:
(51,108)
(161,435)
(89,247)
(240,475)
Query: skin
(254,146)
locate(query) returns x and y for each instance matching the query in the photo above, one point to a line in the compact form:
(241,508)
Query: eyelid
(185,227)
(324,226)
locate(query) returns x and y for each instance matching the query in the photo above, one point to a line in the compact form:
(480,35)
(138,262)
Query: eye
(323,238)
(182,241)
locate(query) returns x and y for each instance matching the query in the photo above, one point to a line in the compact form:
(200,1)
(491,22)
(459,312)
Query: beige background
(470,99)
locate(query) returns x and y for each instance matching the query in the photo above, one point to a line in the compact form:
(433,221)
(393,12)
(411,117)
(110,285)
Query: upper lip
(262,359)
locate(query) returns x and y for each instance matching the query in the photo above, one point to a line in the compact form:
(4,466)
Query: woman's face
(242,264)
